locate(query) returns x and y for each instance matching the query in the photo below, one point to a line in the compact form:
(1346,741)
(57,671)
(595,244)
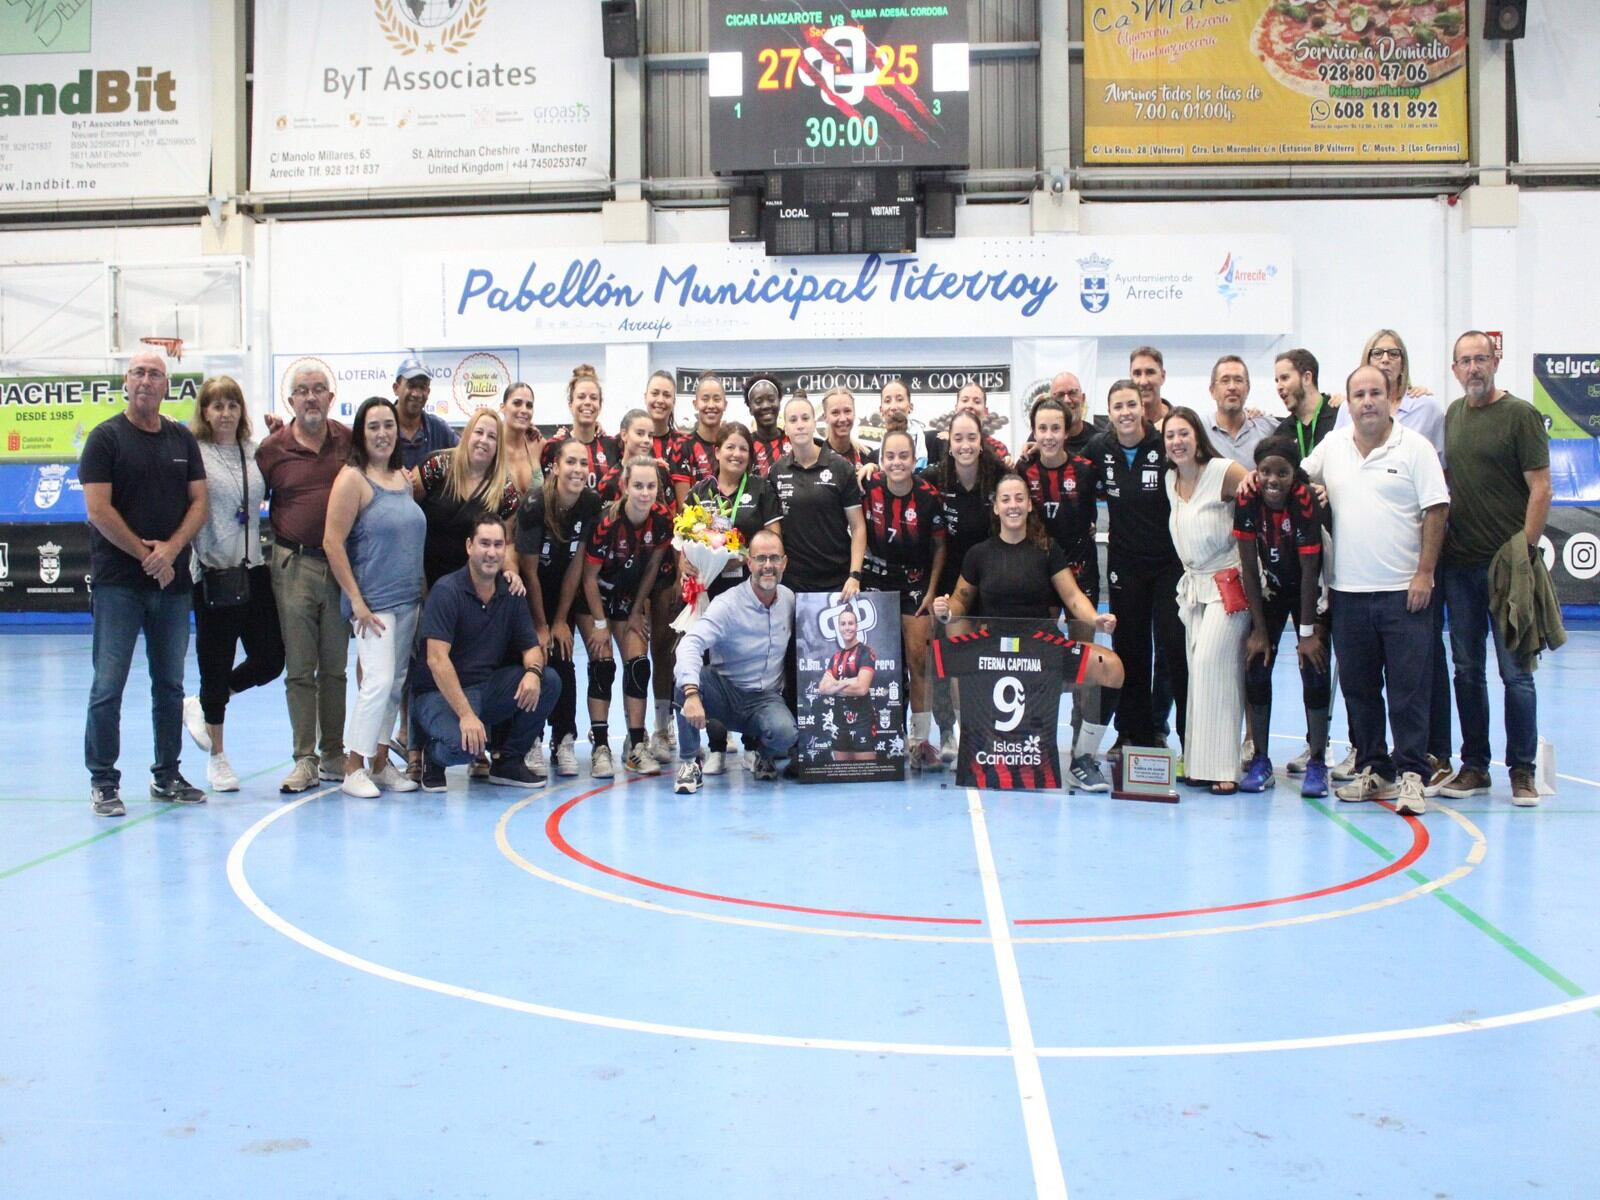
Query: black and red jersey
(603,455)
(610,488)
(902,533)
(855,454)
(665,445)
(1010,703)
(767,451)
(1281,535)
(1064,496)
(623,550)
(855,712)
(695,459)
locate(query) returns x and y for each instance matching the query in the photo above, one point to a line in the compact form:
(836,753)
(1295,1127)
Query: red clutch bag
(1230,585)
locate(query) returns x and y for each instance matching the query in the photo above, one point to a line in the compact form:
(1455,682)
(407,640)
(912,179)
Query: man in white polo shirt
(1389,500)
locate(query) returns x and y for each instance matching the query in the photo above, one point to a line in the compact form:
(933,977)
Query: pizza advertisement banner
(49,419)
(850,698)
(1270,81)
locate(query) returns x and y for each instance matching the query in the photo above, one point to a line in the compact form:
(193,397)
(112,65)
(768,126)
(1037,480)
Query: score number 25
(896,64)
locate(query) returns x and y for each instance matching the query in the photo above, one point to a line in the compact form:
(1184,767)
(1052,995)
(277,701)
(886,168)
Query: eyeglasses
(1475,360)
(766,560)
(146,373)
(1386,352)
(316,389)
(1069,394)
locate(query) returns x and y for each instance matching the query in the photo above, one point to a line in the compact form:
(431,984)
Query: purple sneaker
(1258,778)
(1316,780)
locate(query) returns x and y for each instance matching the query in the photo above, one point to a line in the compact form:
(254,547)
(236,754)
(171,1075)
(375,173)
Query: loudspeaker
(744,217)
(619,28)
(938,210)
(1505,20)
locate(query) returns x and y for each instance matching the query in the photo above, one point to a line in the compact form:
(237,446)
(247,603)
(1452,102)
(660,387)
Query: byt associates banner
(48,420)
(1239,81)
(423,94)
(104,100)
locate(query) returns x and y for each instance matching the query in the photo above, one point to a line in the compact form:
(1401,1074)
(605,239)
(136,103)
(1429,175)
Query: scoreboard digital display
(807,83)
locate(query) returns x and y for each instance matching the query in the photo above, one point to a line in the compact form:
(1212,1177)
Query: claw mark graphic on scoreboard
(846,67)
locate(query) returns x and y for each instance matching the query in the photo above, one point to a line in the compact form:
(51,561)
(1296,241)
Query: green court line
(160,810)
(1473,918)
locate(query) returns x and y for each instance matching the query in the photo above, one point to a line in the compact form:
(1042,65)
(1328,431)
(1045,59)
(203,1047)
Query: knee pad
(636,678)
(602,675)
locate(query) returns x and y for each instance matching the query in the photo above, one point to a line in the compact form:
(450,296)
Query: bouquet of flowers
(709,543)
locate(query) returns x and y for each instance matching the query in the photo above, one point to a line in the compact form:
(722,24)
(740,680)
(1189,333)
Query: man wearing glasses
(746,633)
(299,463)
(1499,470)
(1065,387)
(144,485)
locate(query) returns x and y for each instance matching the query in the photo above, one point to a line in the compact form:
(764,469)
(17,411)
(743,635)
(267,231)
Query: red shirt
(300,480)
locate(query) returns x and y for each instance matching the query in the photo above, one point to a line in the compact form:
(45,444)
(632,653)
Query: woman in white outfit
(373,539)
(1211,603)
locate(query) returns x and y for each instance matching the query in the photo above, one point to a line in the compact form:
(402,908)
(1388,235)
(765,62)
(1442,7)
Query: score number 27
(896,65)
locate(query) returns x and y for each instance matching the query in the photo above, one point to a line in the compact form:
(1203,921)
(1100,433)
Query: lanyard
(1300,430)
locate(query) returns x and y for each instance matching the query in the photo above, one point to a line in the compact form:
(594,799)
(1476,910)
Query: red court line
(1419,846)
(552,829)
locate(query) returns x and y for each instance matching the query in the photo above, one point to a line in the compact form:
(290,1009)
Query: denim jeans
(762,716)
(120,615)
(1382,648)
(1466,591)
(495,701)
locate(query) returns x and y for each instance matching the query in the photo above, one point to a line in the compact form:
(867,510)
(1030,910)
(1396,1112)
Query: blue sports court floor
(895,990)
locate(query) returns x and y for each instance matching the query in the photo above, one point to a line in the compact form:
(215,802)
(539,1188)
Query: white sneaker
(1345,768)
(663,745)
(194,720)
(359,783)
(640,761)
(716,763)
(948,747)
(1297,764)
(600,764)
(534,761)
(220,776)
(391,779)
(1410,801)
(747,760)
(567,757)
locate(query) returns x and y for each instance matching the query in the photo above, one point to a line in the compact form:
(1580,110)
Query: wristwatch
(856,575)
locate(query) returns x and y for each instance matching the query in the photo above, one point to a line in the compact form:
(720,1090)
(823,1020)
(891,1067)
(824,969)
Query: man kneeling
(746,632)
(482,679)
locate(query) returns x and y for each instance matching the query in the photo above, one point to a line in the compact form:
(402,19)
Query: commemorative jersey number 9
(1009,703)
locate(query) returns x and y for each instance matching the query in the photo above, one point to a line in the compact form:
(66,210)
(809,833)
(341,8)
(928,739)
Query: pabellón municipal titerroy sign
(990,287)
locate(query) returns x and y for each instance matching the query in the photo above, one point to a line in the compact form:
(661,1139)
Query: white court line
(1048,1178)
(247,895)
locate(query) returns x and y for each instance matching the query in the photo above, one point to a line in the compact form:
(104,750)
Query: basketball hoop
(173,346)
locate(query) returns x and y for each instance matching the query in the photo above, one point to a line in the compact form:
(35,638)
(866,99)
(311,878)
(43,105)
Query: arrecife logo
(1235,278)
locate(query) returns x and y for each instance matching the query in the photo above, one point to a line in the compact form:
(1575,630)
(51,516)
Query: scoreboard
(796,84)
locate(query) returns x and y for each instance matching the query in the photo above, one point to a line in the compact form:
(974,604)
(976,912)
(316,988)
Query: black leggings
(564,716)
(1144,597)
(1315,685)
(217,634)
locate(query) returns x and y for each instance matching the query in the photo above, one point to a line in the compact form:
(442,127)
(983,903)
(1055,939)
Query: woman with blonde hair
(230,538)
(454,486)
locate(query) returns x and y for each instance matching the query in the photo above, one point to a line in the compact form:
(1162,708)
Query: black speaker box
(619,28)
(744,217)
(938,211)
(1505,20)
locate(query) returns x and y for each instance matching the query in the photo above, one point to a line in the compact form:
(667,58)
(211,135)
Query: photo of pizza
(1313,45)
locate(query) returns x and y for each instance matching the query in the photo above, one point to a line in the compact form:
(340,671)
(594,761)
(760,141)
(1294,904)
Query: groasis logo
(1093,293)
(1234,278)
(49,562)
(429,25)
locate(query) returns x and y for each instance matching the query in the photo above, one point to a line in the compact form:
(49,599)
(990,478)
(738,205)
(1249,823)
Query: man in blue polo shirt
(481,679)
(421,433)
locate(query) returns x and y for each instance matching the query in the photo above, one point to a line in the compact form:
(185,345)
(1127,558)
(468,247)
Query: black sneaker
(107,801)
(511,771)
(175,789)
(433,777)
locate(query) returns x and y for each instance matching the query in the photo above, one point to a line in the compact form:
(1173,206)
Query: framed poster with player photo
(850,698)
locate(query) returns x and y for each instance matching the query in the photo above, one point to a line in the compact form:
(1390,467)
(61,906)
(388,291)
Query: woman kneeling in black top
(1021,574)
